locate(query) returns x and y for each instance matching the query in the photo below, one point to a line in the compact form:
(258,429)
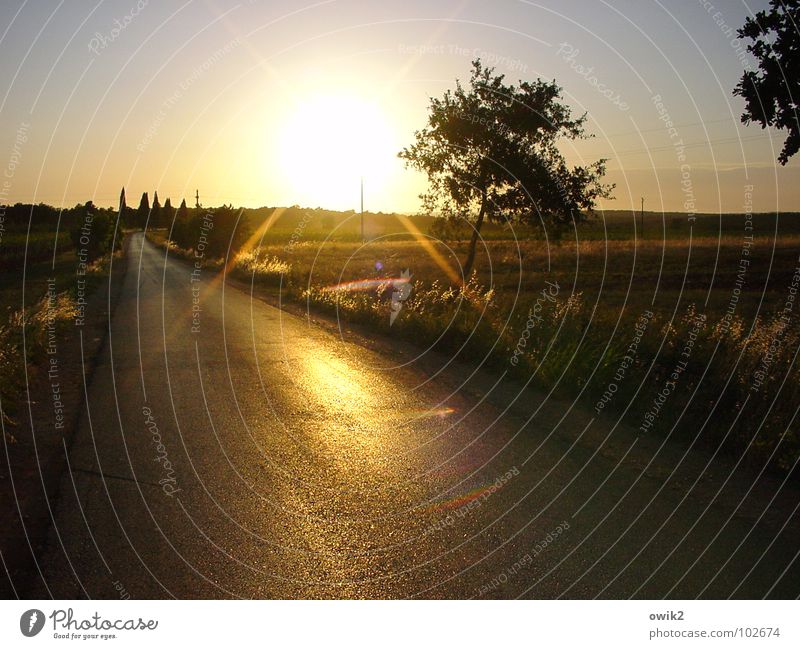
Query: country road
(240,451)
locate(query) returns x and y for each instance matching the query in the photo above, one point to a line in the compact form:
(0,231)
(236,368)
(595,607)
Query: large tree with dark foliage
(772,93)
(490,152)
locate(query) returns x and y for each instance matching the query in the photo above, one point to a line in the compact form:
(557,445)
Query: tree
(167,213)
(181,228)
(229,230)
(143,212)
(123,208)
(491,150)
(772,94)
(91,232)
(155,212)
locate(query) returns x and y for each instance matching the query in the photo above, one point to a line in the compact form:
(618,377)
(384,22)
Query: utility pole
(362,209)
(197,198)
(641,219)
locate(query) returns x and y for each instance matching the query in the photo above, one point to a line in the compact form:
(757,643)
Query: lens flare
(462,499)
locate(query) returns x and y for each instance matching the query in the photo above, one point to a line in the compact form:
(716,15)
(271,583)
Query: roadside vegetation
(42,250)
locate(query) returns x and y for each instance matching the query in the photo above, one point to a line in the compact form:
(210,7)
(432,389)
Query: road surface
(240,451)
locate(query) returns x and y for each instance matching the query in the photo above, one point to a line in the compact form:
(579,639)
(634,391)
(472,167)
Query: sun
(328,143)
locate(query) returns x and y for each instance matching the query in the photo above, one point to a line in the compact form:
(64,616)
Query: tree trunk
(474,240)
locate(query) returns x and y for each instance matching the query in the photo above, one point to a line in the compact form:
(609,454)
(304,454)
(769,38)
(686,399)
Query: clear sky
(278,103)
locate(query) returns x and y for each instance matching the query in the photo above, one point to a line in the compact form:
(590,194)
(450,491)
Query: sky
(279,103)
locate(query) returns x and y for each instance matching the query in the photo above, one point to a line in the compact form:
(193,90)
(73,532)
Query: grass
(565,316)
(37,301)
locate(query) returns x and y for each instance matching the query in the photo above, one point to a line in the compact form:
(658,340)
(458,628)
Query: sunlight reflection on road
(334,383)
(352,415)
(364,412)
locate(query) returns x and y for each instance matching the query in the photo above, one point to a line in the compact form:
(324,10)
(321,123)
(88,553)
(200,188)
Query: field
(703,313)
(301,224)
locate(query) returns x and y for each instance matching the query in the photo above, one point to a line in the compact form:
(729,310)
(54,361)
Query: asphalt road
(262,456)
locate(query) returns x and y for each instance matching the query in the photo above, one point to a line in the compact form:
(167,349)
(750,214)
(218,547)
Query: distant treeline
(90,229)
(32,232)
(619,224)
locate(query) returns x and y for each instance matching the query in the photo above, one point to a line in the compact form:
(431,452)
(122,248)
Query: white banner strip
(404,624)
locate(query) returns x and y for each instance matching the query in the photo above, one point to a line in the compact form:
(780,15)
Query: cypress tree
(155,212)
(143,211)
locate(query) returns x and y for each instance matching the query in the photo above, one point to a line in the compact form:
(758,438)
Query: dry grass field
(566,314)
